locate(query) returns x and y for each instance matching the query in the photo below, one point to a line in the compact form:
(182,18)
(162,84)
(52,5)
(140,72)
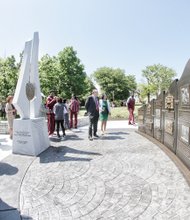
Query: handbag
(104,110)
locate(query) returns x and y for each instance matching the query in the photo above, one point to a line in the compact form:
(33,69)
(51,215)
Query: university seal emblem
(30,91)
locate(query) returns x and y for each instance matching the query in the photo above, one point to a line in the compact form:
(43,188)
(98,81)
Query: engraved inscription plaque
(157,123)
(169,102)
(158,113)
(148,110)
(184,134)
(140,117)
(149,123)
(185,96)
(169,124)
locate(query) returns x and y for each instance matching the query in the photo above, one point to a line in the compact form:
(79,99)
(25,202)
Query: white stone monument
(30,135)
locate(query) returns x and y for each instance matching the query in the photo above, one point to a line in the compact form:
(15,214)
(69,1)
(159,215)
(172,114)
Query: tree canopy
(114,82)
(8,76)
(48,72)
(158,78)
(71,72)
(64,74)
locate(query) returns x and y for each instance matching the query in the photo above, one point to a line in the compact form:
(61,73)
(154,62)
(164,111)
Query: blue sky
(126,34)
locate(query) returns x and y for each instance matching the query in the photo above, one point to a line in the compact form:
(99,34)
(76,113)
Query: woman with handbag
(10,114)
(104,112)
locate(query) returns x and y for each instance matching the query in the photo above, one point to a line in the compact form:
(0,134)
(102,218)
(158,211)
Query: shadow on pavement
(118,133)
(71,137)
(7,212)
(53,154)
(113,137)
(3,140)
(24,217)
(7,169)
(5,145)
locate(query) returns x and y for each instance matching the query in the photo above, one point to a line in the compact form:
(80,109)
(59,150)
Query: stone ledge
(3,127)
(82,121)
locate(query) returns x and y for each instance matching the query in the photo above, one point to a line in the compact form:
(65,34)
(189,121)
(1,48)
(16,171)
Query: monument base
(30,136)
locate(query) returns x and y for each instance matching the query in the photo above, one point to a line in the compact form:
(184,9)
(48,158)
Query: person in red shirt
(131,108)
(50,102)
(74,109)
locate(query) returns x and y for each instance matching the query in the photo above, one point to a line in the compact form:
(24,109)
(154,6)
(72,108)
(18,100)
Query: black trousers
(93,124)
(58,123)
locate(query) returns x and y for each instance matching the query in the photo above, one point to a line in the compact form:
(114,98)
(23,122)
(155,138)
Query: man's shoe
(96,136)
(90,138)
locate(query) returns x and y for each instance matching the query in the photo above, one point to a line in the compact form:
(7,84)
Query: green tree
(49,74)
(114,82)
(158,78)
(71,73)
(89,86)
(8,76)
(144,91)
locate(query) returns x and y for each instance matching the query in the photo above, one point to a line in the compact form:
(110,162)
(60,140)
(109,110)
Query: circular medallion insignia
(30,91)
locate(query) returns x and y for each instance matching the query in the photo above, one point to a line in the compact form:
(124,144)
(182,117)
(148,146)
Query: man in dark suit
(92,107)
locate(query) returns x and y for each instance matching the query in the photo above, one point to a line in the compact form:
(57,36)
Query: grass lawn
(117,113)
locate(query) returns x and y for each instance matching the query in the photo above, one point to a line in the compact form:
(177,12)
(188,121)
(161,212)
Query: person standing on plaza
(105,110)
(10,114)
(131,108)
(3,113)
(92,108)
(58,110)
(66,114)
(50,102)
(74,109)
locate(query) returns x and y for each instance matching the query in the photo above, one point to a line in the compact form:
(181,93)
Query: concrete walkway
(120,175)
(5,146)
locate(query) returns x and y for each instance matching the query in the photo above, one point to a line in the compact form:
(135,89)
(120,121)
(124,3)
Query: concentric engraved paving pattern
(118,176)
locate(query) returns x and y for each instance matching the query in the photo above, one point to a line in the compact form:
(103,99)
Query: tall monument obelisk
(30,136)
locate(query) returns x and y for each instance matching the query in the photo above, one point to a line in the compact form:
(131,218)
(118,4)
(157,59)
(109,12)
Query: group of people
(64,113)
(101,109)
(96,108)
(59,111)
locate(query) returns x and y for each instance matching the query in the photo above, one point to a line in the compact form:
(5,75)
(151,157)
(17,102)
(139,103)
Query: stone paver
(121,175)
(118,176)
(5,146)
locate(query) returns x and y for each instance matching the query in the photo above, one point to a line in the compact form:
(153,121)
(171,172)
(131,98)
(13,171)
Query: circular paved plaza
(121,175)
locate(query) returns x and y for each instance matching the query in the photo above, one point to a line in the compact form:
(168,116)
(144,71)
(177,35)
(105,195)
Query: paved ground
(5,146)
(121,175)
